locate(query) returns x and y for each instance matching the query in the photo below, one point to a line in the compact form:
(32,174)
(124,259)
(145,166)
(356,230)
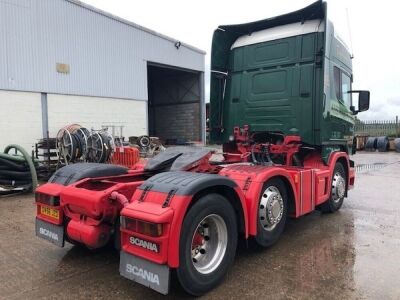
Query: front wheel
(208,244)
(338,191)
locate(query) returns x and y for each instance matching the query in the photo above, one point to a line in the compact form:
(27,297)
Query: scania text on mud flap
(144,272)
(50,232)
(144,244)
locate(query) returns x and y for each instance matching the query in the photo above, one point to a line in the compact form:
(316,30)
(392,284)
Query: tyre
(272,212)
(116,238)
(338,191)
(208,244)
(143,141)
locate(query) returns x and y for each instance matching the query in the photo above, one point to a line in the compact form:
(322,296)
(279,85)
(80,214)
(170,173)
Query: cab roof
(225,35)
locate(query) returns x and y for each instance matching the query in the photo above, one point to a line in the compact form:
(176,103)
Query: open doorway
(174,104)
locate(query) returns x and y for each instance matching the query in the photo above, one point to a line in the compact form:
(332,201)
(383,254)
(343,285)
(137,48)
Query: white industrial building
(63,62)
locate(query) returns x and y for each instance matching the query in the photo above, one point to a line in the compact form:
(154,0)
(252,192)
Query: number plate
(50,212)
(50,232)
(145,272)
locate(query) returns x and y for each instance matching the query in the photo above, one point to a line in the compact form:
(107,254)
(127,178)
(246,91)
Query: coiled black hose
(382,143)
(72,142)
(371,144)
(14,174)
(24,159)
(100,147)
(7,165)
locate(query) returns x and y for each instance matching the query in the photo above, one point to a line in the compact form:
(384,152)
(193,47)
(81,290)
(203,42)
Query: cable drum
(397,144)
(371,144)
(100,146)
(95,150)
(83,135)
(65,145)
(382,144)
(72,142)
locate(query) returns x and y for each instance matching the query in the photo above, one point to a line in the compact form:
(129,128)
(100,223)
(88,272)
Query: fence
(389,128)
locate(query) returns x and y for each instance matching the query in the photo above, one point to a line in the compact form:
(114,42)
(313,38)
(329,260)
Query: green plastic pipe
(14,158)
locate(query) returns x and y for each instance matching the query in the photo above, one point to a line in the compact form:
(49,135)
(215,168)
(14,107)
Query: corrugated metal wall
(107,58)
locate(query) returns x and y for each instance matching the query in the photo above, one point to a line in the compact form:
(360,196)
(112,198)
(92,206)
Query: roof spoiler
(225,35)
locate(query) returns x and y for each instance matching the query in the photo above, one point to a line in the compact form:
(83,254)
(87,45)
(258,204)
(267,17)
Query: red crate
(125,156)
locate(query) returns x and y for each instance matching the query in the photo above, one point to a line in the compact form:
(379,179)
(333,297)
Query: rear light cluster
(47,199)
(142,227)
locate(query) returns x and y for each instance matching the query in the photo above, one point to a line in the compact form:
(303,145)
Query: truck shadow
(312,249)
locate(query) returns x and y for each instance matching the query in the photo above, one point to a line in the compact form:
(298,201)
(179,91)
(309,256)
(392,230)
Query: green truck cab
(287,75)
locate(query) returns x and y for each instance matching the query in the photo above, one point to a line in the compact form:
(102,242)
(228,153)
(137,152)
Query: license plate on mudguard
(50,212)
(50,232)
(145,272)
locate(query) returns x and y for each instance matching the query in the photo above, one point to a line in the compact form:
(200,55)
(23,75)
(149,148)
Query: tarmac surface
(352,254)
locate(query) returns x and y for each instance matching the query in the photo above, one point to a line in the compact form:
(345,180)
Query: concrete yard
(353,254)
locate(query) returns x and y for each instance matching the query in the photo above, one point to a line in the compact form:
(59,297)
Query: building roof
(137,26)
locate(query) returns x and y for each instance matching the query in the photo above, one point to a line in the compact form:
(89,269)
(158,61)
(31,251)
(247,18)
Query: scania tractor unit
(282,108)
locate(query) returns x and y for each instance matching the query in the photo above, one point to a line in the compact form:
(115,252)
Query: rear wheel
(117,235)
(338,191)
(208,244)
(272,212)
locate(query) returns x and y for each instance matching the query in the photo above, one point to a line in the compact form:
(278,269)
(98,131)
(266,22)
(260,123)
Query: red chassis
(156,208)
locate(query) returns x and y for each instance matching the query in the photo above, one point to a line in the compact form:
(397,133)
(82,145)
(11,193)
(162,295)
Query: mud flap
(50,232)
(145,272)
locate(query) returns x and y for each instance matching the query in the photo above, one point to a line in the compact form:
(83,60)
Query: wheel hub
(209,244)
(338,187)
(271,208)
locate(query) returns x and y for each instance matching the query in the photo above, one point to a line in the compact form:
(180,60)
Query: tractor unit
(283,109)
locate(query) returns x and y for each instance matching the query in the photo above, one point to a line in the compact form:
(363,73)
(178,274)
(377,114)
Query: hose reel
(72,143)
(100,146)
(76,143)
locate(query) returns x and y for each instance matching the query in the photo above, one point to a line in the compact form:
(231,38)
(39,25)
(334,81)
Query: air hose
(26,158)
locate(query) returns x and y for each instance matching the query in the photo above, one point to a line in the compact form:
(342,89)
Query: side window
(336,78)
(346,87)
(342,86)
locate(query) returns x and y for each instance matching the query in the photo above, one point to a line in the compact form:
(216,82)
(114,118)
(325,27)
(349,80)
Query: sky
(370,31)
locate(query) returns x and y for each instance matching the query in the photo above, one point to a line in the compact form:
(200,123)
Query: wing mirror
(363,101)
